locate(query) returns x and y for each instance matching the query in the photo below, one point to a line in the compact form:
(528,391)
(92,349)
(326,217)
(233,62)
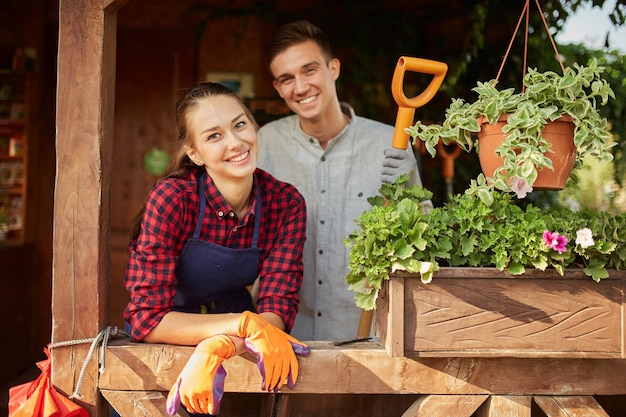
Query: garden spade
(404,119)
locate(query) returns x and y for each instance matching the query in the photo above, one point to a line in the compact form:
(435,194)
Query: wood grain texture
(140,403)
(506,406)
(495,315)
(366,368)
(85,107)
(583,406)
(445,406)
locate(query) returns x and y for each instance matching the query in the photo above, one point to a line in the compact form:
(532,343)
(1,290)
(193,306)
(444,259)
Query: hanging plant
(572,97)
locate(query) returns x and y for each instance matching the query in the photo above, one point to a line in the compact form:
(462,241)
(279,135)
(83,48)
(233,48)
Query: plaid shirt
(169,219)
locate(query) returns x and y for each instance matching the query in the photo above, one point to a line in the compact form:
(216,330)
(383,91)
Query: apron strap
(196,233)
(257,211)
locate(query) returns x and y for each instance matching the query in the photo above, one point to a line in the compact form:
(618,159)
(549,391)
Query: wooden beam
(389,317)
(112,6)
(445,405)
(366,368)
(84,123)
(570,406)
(506,406)
(140,403)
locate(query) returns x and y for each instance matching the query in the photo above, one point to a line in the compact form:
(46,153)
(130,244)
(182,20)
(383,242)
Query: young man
(335,159)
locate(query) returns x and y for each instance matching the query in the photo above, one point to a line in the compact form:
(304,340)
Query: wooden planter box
(470,312)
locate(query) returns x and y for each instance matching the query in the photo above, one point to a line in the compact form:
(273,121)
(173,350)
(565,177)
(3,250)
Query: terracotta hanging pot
(560,133)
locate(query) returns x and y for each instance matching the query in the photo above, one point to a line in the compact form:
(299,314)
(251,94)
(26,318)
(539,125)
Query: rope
(103,337)
(506,55)
(556,51)
(526,13)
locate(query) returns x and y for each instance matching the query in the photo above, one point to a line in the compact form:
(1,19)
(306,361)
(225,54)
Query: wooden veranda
(137,377)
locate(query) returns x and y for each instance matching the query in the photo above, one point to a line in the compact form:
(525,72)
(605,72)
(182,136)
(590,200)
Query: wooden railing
(138,376)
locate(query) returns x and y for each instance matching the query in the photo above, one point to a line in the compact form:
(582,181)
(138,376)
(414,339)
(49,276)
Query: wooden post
(81,261)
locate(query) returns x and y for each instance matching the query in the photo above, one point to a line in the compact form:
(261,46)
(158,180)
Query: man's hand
(275,351)
(396,163)
(200,385)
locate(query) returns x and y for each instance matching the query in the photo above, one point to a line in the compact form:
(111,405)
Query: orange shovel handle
(407,106)
(447,168)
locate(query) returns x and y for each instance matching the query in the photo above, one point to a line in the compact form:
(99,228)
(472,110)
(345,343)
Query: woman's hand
(275,350)
(200,385)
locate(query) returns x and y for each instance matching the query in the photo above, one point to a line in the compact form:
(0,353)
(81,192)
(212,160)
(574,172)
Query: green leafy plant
(398,235)
(547,96)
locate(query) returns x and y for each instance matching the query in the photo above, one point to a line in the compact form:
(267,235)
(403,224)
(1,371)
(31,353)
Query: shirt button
(322,222)
(319,314)
(360,194)
(320,282)
(323,158)
(320,251)
(220,213)
(323,191)
(231,214)
(311,140)
(234,229)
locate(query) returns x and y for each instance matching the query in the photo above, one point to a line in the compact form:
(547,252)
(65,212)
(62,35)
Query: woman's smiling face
(223,138)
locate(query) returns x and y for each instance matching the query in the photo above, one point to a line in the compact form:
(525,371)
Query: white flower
(584,238)
(520,187)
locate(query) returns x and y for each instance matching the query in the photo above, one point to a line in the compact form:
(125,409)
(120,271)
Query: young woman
(213,228)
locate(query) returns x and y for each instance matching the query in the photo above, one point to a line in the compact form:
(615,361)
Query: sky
(590,25)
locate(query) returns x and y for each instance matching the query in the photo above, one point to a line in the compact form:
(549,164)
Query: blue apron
(213,278)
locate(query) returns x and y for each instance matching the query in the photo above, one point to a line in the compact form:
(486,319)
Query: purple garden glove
(200,385)
(275,351)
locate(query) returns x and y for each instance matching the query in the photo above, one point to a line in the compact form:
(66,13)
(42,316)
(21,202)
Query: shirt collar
(220,206)
(345,109)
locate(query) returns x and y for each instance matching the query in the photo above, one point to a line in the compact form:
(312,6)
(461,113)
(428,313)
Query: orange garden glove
(275,350)
(200,385)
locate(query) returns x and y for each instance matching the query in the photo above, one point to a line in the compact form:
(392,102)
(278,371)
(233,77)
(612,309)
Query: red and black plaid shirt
(169,219)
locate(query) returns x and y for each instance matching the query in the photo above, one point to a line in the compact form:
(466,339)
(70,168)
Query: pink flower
(520,187)
(584,238)
(554,241)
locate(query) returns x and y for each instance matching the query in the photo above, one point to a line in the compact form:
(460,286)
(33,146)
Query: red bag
(38,398)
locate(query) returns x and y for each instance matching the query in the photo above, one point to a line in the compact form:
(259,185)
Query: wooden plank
(112,6)
(506,406)
(578,406)
(394,342)
(494,273)
(84,123)
(366,368)
(569,317)
(140,403)
(445,406)
(153,403)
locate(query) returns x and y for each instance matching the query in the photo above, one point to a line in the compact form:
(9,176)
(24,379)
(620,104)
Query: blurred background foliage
(473,49)
(470,36)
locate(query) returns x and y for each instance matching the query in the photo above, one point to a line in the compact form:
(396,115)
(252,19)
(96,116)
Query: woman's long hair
(180,164)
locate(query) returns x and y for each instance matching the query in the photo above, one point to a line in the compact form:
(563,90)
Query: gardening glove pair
(275,351)
(200,385)
(396,163)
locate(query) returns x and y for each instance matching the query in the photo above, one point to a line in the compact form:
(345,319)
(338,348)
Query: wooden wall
(156,60)
(152,66)
(163,47)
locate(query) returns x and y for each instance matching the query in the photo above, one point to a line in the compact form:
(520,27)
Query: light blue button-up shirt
(335,183)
